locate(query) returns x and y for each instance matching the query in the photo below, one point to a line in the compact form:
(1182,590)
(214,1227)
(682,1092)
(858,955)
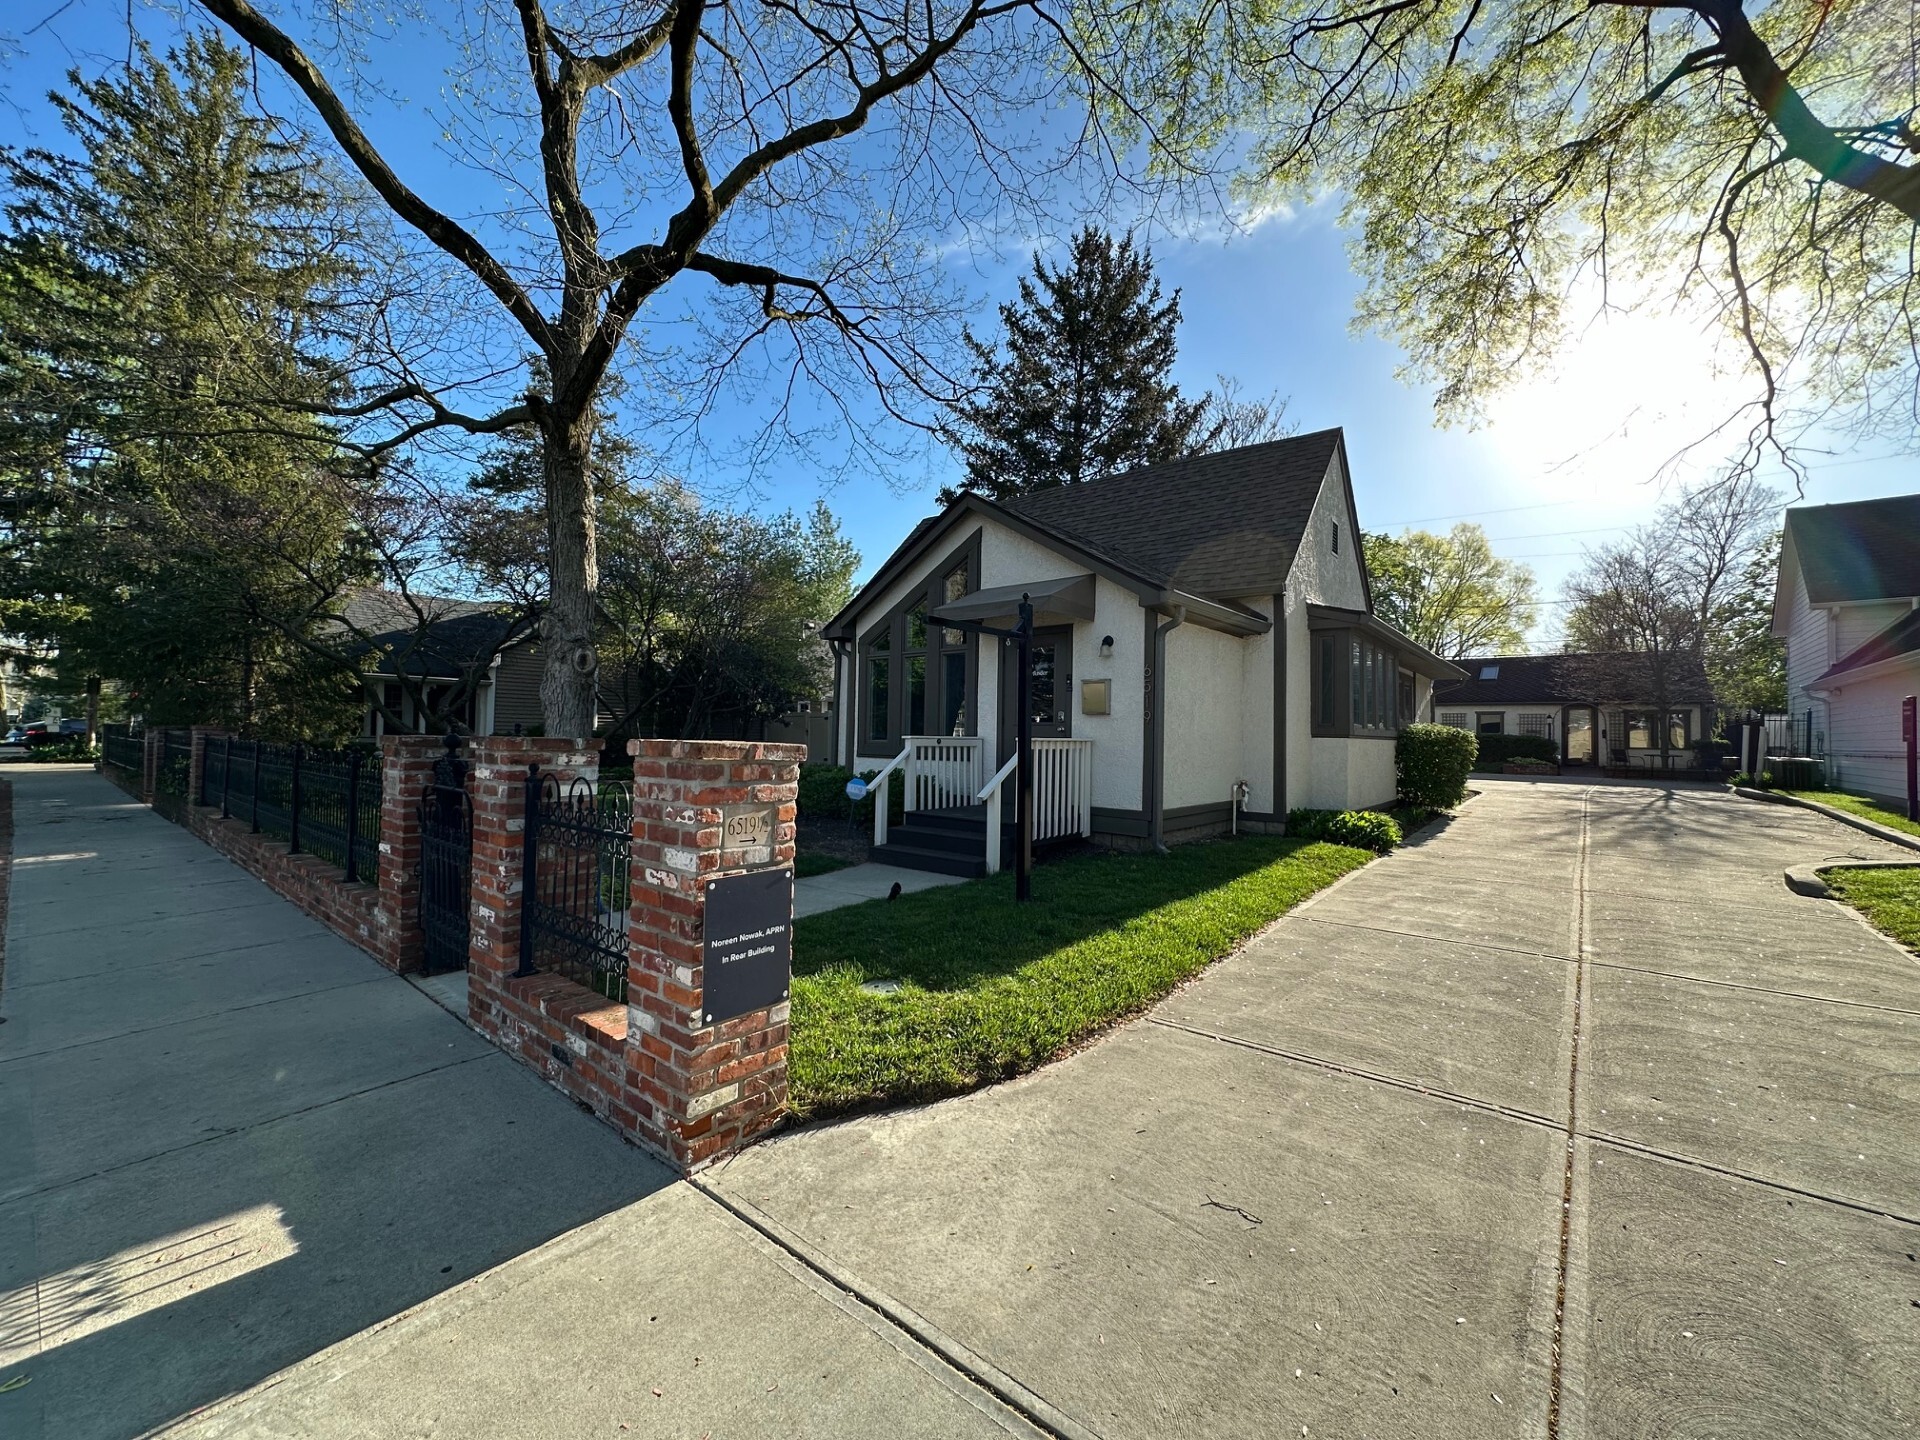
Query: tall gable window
(917,675)
(1336,537)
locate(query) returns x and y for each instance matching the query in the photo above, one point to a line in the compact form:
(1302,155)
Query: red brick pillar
(406,766)
(152,742)
(701,1088)
(498,784)
(197,764)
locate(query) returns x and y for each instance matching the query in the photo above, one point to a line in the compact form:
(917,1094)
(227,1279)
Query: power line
(1475,514)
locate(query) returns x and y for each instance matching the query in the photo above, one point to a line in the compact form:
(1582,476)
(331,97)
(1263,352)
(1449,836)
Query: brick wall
(688,1090)
(308,881)
(573,1038)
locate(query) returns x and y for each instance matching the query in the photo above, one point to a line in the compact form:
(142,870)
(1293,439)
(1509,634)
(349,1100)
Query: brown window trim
(931,590)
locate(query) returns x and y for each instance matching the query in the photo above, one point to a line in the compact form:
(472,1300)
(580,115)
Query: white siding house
(1847,605)
(1179,610)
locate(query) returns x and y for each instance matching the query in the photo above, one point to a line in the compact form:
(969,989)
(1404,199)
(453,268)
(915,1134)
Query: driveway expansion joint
(1035,1409)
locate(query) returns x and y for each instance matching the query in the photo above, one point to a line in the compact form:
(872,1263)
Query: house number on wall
(748,829)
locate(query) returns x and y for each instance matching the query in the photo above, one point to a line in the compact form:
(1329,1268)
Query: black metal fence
(575,881)
(123,751)
(320,801)
(175,765)
(1788,733)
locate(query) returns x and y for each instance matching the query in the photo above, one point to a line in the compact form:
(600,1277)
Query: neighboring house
(1165,695)
(1845,604)
(426,647)
(1600,708)
(434,643)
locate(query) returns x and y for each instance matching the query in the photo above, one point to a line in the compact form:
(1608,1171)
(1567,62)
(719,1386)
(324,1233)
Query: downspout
(839,700)
(1157,799)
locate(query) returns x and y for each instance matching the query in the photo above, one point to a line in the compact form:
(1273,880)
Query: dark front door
(1051,694)
(1578,730)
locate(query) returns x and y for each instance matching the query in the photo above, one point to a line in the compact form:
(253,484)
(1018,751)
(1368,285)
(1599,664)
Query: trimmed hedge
(1497,750)
(1362,829)
(1433,762)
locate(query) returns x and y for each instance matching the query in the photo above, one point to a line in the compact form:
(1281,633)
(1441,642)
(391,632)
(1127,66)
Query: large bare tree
(796,159)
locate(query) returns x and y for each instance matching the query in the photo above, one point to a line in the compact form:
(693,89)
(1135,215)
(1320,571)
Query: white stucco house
(1604,708)
(1206,655)
(1847,604)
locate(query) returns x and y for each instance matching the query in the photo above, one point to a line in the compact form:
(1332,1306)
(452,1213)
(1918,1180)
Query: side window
(1336,537)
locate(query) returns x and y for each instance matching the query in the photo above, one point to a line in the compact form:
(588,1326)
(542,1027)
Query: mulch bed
(836,838)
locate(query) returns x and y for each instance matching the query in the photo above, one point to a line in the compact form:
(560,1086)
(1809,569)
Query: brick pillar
(699,1090)
(498,783)
(406,765)
(197,764)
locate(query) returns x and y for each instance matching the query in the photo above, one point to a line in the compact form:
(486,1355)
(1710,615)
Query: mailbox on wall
(1096,697)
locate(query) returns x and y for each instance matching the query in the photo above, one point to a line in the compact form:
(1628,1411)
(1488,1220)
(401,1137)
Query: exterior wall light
(1106,647)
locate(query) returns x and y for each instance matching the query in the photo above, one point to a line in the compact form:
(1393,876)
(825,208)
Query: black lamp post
(1023,771)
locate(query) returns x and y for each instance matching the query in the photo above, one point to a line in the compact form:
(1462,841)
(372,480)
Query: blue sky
(1565,460)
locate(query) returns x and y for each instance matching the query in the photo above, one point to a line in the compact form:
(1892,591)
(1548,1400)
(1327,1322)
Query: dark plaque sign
(749,943)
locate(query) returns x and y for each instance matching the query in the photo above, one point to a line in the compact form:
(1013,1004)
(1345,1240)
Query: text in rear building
(748,945)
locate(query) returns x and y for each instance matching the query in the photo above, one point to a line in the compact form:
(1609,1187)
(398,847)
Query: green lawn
(1888,898)
(815,862)
(1856,805)
(989,989)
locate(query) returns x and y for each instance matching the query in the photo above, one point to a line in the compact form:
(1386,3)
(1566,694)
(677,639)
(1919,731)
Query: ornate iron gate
(575,886)
(446,862)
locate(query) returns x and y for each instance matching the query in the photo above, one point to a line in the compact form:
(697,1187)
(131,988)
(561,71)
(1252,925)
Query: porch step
(938,862)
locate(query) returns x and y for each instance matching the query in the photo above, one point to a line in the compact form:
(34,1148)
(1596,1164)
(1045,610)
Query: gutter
(1157,796)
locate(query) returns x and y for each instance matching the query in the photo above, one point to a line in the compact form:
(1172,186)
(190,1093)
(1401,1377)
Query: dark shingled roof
(425,634)
(1218,525)
(1863,550)
(1902,637)
(1618,677)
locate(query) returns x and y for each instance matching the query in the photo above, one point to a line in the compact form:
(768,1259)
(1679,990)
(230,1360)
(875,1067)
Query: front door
(1051,693)
(1578,730)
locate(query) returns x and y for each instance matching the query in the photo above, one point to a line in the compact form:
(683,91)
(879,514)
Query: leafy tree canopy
(1498,157)
(1451,592)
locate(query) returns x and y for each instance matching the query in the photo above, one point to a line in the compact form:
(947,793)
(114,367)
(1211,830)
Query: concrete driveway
(1567,1120)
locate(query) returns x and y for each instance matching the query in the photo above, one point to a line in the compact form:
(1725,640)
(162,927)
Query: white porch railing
(1062,793)
(943,770)
(938,770)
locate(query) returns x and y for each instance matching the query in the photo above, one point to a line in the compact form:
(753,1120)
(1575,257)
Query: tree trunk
(568,684)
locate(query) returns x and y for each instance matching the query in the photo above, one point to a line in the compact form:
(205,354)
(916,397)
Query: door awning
(1054,601)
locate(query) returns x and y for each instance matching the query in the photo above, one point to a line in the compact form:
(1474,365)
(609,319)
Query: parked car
(17,735)
(54,732)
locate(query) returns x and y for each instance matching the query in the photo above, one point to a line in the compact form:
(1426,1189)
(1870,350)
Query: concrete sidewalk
(857,883)
(1321,1191)
(233,1150)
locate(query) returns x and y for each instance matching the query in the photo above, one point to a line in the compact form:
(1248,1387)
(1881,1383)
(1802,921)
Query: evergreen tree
(1078,386)
(171,513)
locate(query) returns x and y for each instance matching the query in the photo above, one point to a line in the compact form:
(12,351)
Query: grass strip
(1858,805)
(1890,899)
(979,989)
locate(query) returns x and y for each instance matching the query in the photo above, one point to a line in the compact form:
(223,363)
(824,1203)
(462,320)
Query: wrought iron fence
(325,802)
(575,882)
(170,776)
(123,751)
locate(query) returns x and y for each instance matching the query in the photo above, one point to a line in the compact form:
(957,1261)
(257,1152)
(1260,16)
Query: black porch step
(937,862)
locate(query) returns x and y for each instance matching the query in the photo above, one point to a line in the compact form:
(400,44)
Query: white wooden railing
(943,770)
(1062,793)
(938,770)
